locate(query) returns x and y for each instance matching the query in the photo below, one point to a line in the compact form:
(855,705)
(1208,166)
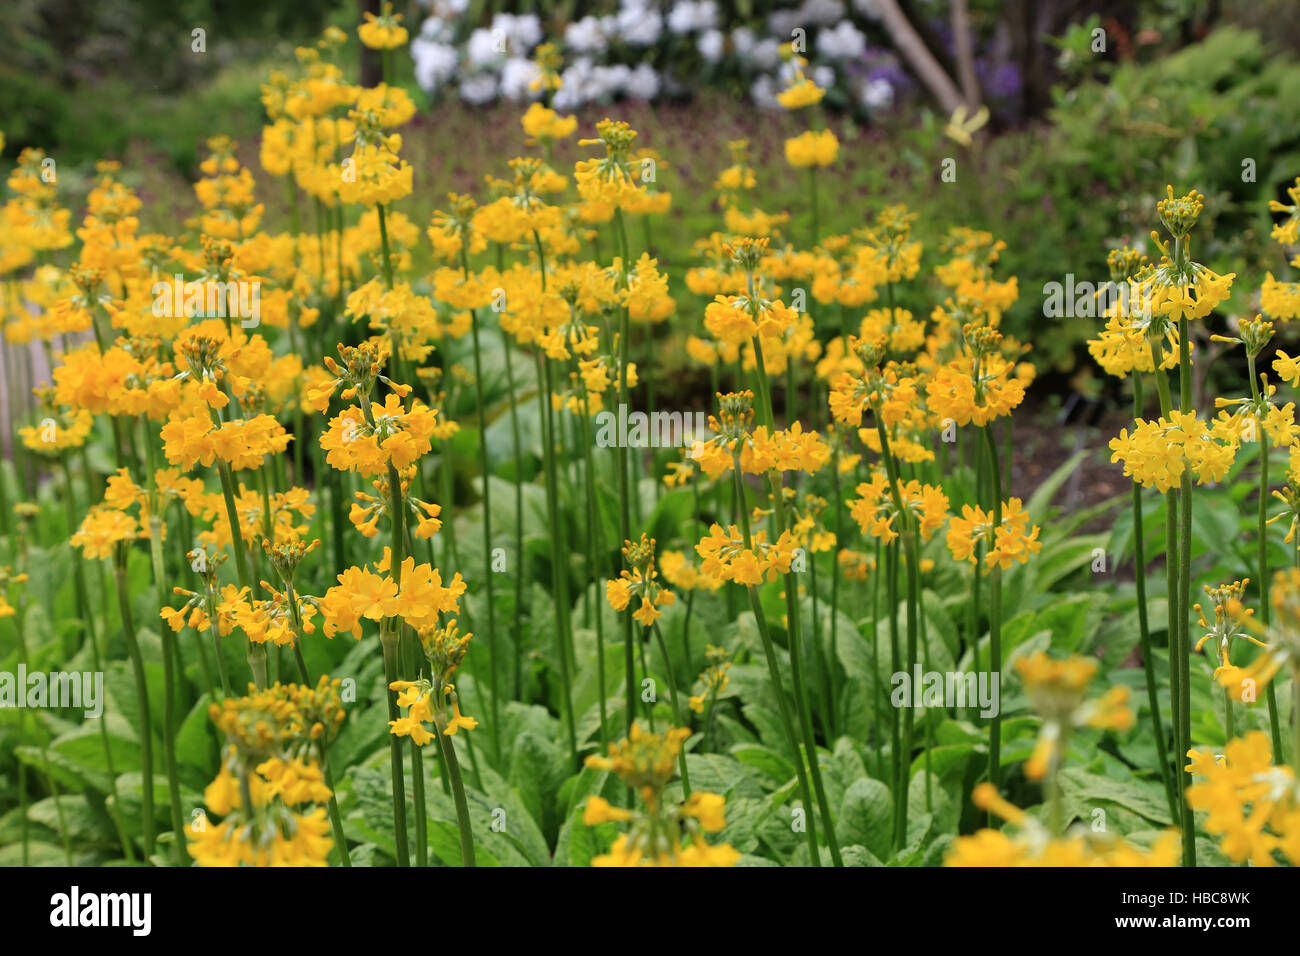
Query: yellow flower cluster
(1057,689)
(640,584)
(1253,806)
(1157,453)
(875,508)
(727,557)
(661,834)
(1011,540)
(271,786)
(1032,846)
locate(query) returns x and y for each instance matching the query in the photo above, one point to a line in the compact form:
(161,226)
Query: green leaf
(866,816)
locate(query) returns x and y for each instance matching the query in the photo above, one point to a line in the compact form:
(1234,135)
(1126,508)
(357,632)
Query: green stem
(336,820)
(595,569)
(1144,630)
(796,678)
(1185,587)
(388,642)
(485,468)
(679,717)
(169,701)
(559,579)
(88,617)
(774,674)
(1261,535)
(519,500)
(448,748)
(625,490)
(142,700)
(995,611)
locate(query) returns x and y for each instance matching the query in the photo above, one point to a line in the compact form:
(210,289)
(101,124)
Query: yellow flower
(660,834)
(1031,845)
(101,530)
(802,92)
(542,123)
(812,148)
(1253,806)
(1157,453)
(383,32)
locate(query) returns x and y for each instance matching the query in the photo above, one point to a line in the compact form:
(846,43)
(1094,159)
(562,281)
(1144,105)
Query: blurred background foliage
(1185,93)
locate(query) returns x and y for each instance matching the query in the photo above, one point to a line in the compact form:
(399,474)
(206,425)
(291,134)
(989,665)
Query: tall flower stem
(774,674)
(680,718)
(1185,586)
(876,573)
(836,574)
(169,698)
(336,820)
(559,572)
(390,630)
(1144,630)
(973,606)
(256,652)
(792,604)
(168,655)
(20,625)
(595,568)
(388,642)
(88,616)
(827,702)
(141,697)
(908,536)
(1172,592)
(559,577)
(1261,540)
(995,609)
(896,665)
(797,679)
(812,207)
(485,468)
(516,449)
(625,490)
(447,746)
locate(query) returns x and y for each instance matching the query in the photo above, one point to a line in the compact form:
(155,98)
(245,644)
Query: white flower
(478,88)
(824,76)
(763,92)
(766,54)
(687,17)
(485,48)
(877,94)
(867,8)
(449,9)
(821,12)
(435,63)
(843,42)
(642,83)
(783,22)
(524,31)
(712,44)
(436,29)
(640,26)
(742,41)
(609,81)
(575,89)
(517,77)
(585,36)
